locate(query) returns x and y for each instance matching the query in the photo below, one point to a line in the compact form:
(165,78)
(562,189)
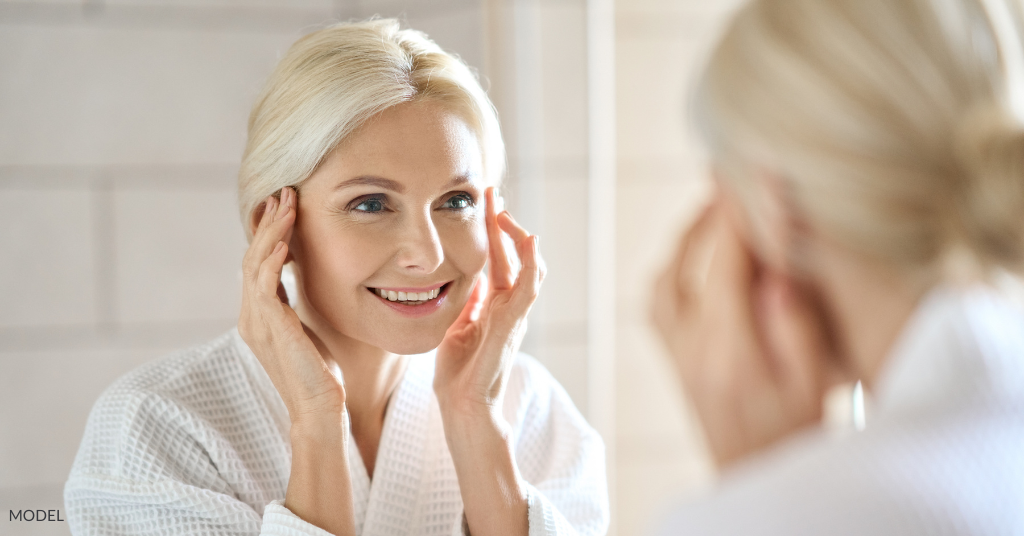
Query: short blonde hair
(886,120)
(332,81)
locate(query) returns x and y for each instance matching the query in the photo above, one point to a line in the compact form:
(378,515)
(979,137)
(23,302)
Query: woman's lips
(407,301)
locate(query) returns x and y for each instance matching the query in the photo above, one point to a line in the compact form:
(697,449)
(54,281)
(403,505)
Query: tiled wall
(662,179)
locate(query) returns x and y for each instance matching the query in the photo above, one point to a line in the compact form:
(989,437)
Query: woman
(371,167)
(870,171)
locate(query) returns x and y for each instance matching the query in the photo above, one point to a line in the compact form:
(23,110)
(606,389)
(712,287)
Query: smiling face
(389,237)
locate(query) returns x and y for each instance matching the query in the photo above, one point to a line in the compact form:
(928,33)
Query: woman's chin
(412,345)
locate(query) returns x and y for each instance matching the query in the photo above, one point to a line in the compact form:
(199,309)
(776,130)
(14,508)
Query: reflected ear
(764,213)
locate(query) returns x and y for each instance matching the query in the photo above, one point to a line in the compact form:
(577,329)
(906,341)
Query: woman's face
(397,208)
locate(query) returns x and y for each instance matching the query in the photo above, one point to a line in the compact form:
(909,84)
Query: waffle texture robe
(942,453)
(198,443)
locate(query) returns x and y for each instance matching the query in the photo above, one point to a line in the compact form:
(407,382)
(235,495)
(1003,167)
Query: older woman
(869,157)
(371,167)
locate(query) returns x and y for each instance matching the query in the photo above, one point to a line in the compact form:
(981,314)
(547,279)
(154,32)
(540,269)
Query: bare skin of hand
(748,344)
(473,362)
(319,489)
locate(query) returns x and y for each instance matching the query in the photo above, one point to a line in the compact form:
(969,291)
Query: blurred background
(121,127)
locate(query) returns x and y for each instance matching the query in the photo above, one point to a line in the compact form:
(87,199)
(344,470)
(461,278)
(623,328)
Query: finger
(511,227)
(269,278)
(282,293)
(250,262)
(471,311)
(289,198)
(265,241)
(501,271)
(796,341)
(527,285)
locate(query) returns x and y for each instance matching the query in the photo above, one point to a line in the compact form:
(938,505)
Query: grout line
(283,18)
(127,335)
(122,177)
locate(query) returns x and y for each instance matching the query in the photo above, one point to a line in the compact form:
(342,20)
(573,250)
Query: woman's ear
(763,213)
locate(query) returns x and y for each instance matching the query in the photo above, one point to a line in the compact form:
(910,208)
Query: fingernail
(278,247)
(501,203)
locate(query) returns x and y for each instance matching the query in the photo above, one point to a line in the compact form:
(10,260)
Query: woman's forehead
(408,146)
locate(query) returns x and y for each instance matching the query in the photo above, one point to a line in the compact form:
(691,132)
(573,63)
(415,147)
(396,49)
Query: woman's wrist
(493,493)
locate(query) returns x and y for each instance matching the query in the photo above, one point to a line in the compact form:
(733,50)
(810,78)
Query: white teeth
(392,295)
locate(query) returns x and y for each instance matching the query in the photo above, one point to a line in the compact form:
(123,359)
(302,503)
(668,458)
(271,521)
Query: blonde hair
(887,121)
(332,81)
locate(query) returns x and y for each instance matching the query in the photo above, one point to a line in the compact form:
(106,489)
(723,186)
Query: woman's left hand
(477,352)
(473,362)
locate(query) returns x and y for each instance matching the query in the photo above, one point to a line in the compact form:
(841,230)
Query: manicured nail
(278,247)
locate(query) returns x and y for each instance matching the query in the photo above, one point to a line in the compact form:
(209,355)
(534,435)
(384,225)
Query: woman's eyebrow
(366,180)
(459,179)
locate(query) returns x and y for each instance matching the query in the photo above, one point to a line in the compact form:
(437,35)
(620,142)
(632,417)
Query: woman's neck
(870,306)
(371,376)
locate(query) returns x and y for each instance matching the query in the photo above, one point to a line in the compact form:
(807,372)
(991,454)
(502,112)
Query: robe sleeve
(144,468)
(560,456)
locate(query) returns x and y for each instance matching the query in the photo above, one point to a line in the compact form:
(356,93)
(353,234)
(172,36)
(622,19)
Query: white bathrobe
(942,453)
(197,443)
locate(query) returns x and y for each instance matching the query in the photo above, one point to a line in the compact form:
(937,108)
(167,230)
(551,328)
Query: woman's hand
(747,343)
(473,362)
(311,389)
(474,358)
(319,487)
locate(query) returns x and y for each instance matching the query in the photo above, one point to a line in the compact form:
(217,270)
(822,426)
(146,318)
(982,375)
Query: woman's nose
(420,245)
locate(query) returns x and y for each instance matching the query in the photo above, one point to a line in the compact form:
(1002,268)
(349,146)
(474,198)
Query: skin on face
(398,204)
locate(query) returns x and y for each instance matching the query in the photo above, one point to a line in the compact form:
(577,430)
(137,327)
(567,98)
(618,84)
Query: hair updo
(888,121)
(332,81)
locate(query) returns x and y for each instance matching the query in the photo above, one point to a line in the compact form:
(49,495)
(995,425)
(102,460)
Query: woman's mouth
(413,302)
(409,296)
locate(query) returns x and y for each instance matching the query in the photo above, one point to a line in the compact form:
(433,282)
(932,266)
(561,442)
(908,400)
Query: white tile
(563,63)
(563,245)
(656,201)
(646,489)
(653,77)
(459,30)
(112,95)
(326,5)
(47,269)
(649,398)
(45,398)
(179,255)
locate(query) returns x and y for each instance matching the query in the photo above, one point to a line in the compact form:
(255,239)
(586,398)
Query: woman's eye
(459,202)
(373,204)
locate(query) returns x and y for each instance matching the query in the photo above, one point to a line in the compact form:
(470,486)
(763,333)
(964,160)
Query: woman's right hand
(319,486)
(312,389)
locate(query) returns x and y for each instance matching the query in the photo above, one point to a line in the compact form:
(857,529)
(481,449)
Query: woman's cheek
(466,244)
